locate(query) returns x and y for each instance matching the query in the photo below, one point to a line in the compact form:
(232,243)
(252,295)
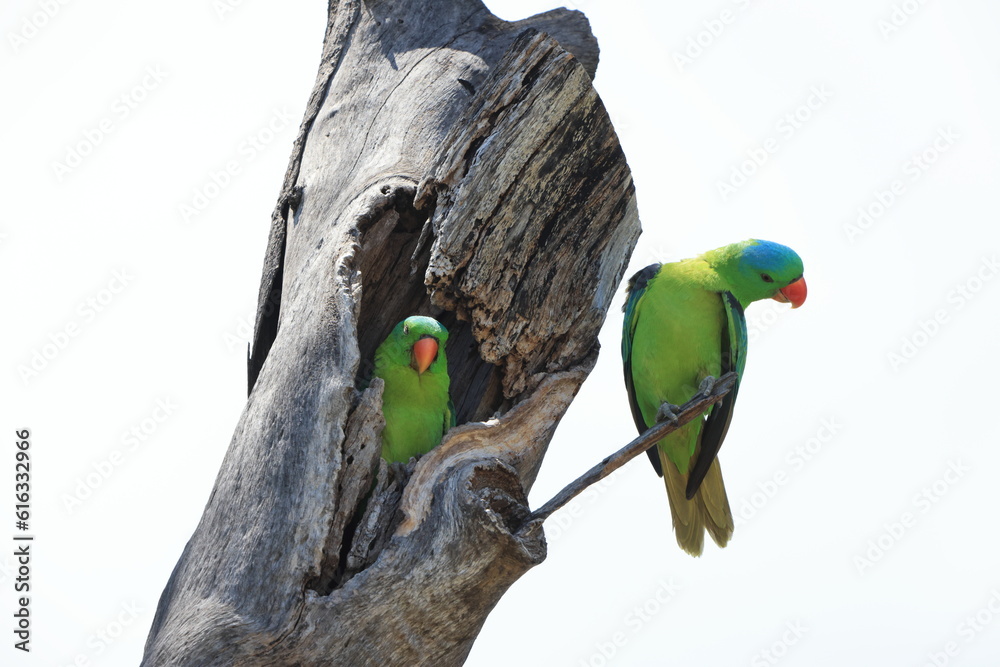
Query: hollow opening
(393,289)
(393,258)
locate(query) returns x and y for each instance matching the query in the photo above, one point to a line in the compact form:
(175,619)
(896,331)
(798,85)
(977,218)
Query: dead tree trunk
(450,164)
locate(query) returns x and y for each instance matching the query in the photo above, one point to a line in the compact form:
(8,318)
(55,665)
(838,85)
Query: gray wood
(451,164)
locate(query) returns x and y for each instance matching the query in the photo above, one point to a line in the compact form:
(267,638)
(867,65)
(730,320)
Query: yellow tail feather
(708,510)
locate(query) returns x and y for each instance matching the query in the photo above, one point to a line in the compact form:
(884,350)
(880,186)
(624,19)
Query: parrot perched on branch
(684,326)
(415,401)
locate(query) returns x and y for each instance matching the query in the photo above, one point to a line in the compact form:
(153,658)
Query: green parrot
(415,401)
(684,326)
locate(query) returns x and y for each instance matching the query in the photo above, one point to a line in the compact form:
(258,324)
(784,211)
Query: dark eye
(766,278)
(406,329)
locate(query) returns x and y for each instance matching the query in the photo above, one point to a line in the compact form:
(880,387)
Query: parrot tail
(707,510)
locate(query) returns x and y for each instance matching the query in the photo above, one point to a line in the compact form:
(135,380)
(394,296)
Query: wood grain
(453,164)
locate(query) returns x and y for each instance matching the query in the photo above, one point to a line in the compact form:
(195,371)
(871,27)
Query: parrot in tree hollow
(415,400)
(684,326)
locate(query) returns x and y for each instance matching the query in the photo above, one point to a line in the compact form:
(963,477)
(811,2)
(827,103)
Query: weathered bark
(449,164)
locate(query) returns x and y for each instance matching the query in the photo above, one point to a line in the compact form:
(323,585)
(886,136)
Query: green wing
(449,415)
(734,352)
(636,288)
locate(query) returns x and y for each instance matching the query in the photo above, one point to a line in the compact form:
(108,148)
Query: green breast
(414,407)
(676,344)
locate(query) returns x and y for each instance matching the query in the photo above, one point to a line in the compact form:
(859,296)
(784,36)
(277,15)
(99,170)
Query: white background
(856,543)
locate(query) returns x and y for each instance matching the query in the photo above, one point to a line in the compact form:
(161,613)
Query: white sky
(146,316)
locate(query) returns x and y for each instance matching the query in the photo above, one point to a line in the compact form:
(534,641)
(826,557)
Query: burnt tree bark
(450,164)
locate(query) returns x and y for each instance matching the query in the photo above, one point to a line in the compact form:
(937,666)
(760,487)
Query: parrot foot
(706,386)
(668,412)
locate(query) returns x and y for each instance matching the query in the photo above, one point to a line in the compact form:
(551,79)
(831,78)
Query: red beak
(794,294)
(425,351)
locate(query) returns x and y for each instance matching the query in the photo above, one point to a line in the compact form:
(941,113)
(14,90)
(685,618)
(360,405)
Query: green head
(757,270)
(417,342)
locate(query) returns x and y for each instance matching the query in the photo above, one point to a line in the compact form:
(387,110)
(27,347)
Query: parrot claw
(706,386)
(667,412)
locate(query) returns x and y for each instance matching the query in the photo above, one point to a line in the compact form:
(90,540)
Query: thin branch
(689,411)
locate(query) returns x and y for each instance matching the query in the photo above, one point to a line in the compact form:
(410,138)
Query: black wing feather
(636,287)
(734,337)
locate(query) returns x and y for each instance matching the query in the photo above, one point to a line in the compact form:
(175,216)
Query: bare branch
(689,411)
